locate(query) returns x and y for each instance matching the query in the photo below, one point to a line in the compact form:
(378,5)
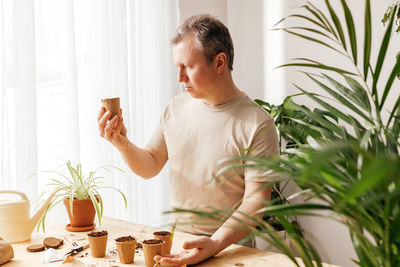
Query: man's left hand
(194,252)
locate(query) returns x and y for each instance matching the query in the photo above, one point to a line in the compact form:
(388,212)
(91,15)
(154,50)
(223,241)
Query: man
(209,122)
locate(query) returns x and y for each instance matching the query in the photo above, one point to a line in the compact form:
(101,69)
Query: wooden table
(232,256)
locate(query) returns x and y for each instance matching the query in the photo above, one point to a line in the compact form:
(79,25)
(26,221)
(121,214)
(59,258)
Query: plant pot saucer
(80,229)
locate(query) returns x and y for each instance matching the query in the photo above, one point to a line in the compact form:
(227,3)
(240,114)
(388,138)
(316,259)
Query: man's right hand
(112,130)
(146,162)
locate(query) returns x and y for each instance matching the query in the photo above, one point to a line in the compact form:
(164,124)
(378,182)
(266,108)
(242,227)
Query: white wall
(258,51)
(217,8)
(245,22)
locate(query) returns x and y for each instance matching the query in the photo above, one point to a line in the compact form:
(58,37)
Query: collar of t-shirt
(221,107)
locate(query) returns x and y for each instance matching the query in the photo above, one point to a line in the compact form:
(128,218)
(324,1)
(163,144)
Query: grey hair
(211,37)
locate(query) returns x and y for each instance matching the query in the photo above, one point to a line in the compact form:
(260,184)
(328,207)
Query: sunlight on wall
(274,79)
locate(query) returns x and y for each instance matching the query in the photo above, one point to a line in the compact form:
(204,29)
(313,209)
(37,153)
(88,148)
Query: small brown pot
(98,243)
(113,105)
(83,212)
(166,237)
(151,248)
(126,249)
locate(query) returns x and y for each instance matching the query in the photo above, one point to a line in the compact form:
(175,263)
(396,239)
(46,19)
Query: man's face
(193,71)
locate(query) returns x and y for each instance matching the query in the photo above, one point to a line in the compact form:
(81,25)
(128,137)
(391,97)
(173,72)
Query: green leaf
(302,17)
(331,30)
(305,29)
(396,108)
(360,92)
(340,98)
(96,193)
(329,107)
(318,66)
(320,120)
(316,15)
(362,252)
(313,40)
(326,133)
(337,24)
(381,57)
(389,83)
(374,173)
(367,38)
(96,206)
(276,209)
(351,30)
(122,194)
(349,94)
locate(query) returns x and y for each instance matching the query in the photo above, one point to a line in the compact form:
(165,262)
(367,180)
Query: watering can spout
(35,218)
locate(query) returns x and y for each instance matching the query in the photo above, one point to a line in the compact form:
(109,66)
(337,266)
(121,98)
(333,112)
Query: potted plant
(80,194)
(291,135)
(352,166)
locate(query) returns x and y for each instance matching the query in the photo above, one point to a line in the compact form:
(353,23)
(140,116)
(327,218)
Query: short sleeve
(265,144)
(157,140)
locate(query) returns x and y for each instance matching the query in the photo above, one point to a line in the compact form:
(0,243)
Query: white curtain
(58,59)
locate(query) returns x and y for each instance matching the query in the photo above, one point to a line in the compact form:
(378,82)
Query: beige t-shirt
(196,137)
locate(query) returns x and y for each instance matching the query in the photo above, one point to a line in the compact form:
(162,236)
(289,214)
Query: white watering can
(16,225)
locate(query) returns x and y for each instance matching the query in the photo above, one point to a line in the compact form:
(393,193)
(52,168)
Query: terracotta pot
(83,210)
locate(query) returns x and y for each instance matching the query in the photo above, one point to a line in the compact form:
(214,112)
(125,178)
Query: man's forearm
(234,229)
(141,161)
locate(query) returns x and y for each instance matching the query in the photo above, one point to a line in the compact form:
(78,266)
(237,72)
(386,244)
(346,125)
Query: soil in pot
(166,237)
(126,249)
(98,234)
(98,243)
(151,248)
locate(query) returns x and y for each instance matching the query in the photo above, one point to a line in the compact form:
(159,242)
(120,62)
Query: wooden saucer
(80,229)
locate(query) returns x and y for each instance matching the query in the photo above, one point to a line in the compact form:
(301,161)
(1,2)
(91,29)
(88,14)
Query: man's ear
(220,61)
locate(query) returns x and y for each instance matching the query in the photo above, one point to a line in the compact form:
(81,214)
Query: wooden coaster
(35,248)
(52,242)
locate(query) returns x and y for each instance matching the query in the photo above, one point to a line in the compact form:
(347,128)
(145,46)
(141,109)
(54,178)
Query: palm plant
(386,18)
(352,168)
(348,156)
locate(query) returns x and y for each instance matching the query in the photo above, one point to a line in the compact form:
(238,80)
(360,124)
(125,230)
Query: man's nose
(182,77)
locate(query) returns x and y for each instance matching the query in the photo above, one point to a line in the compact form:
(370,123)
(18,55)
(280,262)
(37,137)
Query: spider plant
(76,185)
(347,155)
